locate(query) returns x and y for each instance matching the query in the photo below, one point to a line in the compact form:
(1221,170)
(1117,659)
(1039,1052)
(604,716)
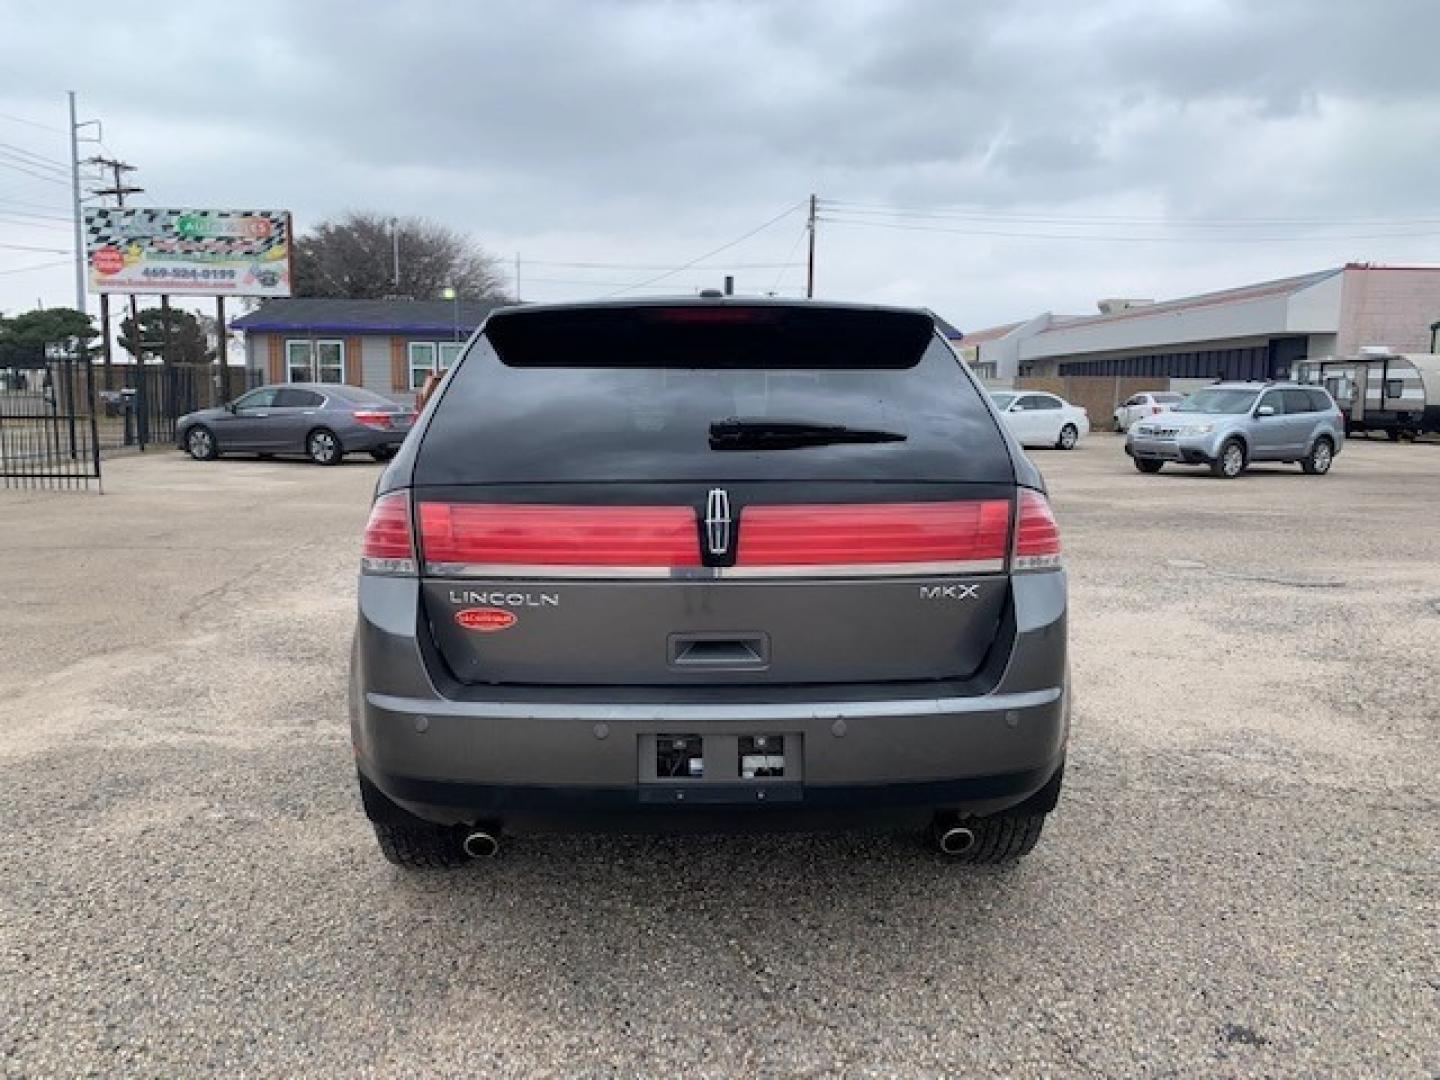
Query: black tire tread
(1148,465)
(419,847)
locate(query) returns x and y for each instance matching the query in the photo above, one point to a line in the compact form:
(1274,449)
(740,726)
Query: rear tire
(200,443)
(1320,458)
(1004,838)
(1230,462)
(1069,436)
(384,453)
(420,847)
(1148,465)
(323,447)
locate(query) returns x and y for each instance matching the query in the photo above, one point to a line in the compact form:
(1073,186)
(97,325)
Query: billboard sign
(197,252)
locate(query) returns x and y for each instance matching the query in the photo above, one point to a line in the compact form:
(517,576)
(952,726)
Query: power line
(37,175)
(21,223)
(29,157)
(1116,238)
(38,206)
(46,250)
(37,266)
(799,238)
(647,266)
(710,254)
(979,213)
(31,123)
(31,214)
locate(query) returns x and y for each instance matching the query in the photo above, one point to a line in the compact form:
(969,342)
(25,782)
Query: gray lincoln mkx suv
(709,564)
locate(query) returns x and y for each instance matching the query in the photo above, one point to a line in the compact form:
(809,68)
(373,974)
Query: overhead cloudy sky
(987,160)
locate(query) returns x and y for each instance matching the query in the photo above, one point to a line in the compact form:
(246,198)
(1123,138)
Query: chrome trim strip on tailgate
(707,573)
(907,569)
(760,710)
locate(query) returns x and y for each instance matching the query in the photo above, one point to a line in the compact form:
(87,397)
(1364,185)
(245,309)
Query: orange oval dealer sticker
(485,619)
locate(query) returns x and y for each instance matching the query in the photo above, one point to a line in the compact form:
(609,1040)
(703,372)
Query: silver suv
(1229,425)
(709,564)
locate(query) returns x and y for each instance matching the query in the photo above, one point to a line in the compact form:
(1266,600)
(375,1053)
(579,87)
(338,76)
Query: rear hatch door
(724,493)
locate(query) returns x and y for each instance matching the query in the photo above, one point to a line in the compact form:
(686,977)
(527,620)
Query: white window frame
(442,356)
(421,369)
(312,360)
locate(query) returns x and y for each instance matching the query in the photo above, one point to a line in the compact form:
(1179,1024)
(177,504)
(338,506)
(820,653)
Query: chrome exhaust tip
(954,839)
(481,845)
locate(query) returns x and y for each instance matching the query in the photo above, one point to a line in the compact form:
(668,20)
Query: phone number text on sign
(188,273)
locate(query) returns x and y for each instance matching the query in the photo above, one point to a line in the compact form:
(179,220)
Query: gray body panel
(1010,717)
(278,429)
(627,632)
(879,692)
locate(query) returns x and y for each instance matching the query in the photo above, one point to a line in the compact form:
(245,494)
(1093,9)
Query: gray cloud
(648,132)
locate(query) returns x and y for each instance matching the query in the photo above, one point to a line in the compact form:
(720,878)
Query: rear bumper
(539,766)
(584,808)
(566,759)
(361,439)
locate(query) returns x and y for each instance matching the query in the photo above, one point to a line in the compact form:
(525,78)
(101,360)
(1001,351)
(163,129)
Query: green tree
(48,326)
(188,343)
(353,257)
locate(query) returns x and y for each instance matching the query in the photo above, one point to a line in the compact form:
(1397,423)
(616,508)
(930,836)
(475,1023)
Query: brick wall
(1098,395)
(1385,306)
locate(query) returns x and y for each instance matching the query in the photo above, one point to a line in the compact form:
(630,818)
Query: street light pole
(395,241)
(453,295)
(75,197)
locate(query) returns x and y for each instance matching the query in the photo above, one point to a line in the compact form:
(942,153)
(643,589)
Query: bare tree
(353,257)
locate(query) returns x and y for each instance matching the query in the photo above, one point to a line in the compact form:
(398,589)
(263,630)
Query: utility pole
(810,264)
(119,189)
(517,277)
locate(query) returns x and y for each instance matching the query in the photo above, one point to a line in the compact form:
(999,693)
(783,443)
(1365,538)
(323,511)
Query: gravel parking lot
(1241,879)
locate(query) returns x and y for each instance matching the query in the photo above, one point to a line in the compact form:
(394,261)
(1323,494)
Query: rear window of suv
(649,393)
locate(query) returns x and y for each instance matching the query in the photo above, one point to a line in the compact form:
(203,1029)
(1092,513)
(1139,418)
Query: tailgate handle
(748,651)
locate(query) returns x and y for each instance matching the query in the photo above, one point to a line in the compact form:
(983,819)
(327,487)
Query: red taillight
(469,537)
(372,418)
(387,548)
(915,537)
(1037,538)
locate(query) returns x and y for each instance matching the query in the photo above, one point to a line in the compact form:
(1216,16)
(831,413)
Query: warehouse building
(1259,331)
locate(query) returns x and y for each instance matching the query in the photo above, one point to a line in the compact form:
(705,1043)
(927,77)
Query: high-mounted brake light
(463,539)
(1037,537)
(711,315)
(913,538)
(388,548)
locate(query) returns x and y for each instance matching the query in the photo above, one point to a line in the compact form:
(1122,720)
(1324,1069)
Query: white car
(1144,406)
(1040,419)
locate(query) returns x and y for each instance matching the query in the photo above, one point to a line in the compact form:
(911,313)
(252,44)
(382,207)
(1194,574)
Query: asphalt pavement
(1241,879)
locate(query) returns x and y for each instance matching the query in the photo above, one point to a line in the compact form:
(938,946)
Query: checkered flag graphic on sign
(122,227)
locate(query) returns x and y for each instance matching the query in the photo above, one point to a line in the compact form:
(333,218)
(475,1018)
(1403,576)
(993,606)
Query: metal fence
(48,433)
(60,416)
(138,407)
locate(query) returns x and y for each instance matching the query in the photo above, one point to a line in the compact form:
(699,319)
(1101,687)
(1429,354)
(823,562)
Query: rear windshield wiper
(738,433)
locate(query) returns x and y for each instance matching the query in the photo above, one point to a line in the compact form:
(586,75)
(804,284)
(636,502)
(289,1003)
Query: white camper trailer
(1397,393)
